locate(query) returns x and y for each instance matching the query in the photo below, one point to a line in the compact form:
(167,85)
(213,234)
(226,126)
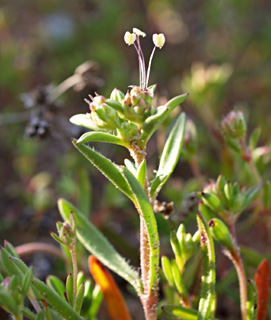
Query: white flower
(129,38)
(139,32)
(159,40)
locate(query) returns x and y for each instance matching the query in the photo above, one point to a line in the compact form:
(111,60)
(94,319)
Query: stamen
(149,66)
(143,85)
(140,65)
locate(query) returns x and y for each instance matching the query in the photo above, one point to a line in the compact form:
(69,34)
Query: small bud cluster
(183,246)
(66,232)
(233,125)
(102,115)
(227,199)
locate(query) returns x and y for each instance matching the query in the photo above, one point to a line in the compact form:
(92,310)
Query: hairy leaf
(109,169)
(97,244)
(171,153)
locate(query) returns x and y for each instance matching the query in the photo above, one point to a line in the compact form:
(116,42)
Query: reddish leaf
(262,279)
(114,301)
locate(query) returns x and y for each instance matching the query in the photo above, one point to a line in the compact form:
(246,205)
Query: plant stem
(18,317)
(149,299)
(75,271)
(238,264)
(29,248)
(236,259)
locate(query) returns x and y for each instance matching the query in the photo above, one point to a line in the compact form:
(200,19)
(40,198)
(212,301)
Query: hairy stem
(149,299)
(75,271)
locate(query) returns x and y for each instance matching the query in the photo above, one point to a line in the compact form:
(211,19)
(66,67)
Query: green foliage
(97,244)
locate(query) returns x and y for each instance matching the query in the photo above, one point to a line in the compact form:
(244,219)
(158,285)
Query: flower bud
(66,232)
(222,234)
(117,95)
(233,125)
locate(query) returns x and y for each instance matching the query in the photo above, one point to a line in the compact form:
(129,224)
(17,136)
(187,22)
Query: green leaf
(166,267)
(178,280)
(152,123)
(97,244)
(175,245)
(79,298)
(207,295)
(27,278)
(56,284)
(171,153)
(252,299)
(8,303)
(116,105)
(141,174)
(182,313)
(97,298)
(251,194)
(69,288)
(58,303)
(109,169)
(102,137)
(144,207)
(84,120)
(130,166)
(28,314)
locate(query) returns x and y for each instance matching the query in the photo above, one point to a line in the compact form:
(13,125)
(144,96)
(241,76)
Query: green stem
(238,264)
(18,317)
(75,271)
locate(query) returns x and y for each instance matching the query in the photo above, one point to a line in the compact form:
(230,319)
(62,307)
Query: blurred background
(219,51)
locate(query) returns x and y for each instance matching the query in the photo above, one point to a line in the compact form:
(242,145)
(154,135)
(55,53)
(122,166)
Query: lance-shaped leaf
(252,299)
(84,120)
(152,123)
(114,301)
(262,279)
(97,244)
(207,295)
(58,303)
(179,312)
(144,207)
(116,105)
(141,174)
(109,169)
(102,137)
(171,154)
(56,284)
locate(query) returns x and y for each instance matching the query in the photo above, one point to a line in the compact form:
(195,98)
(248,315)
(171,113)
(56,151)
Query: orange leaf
(262,279)
(114,301)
